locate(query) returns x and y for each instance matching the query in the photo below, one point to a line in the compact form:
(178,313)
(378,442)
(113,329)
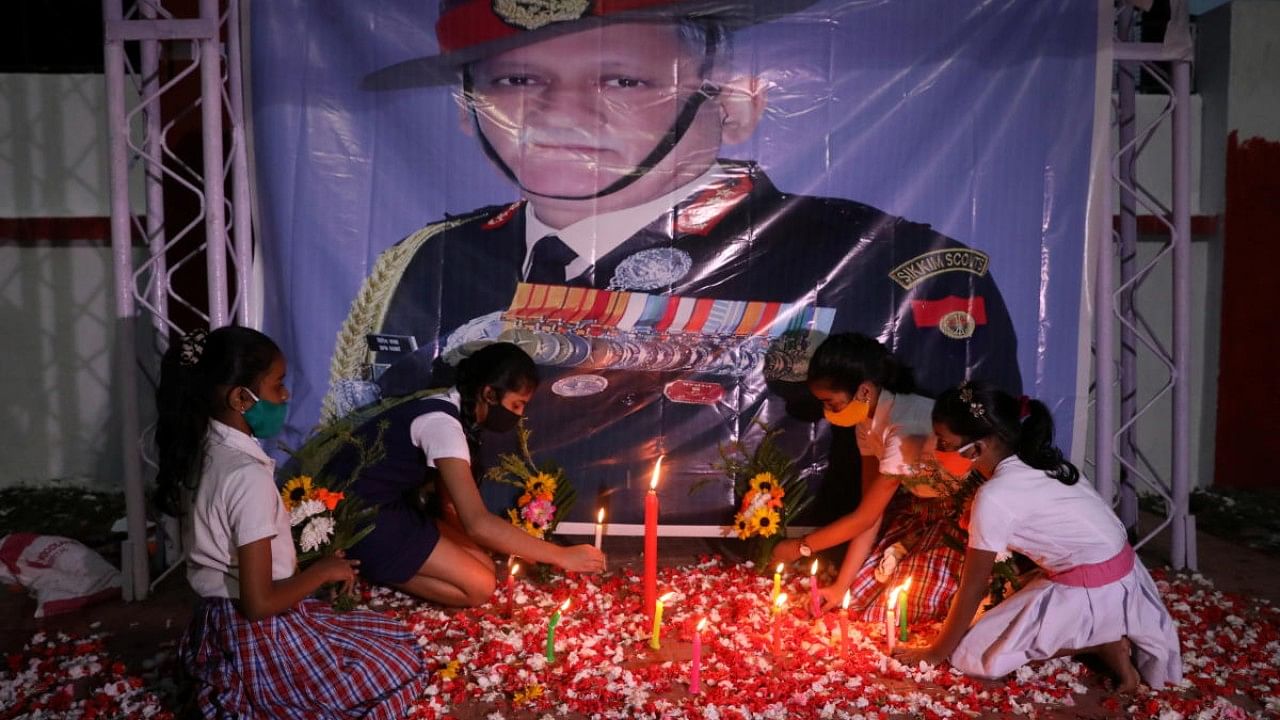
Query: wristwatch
(805,550)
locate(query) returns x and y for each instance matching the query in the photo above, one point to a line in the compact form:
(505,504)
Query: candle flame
(564,606)
(702,624)
(845,604)
(514,569)
(666,598)
(779,601)
(600,517)
(779,570)
(813,569)
(653,483)
(893,596)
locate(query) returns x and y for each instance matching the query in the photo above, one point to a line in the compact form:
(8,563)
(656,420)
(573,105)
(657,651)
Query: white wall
(56,302)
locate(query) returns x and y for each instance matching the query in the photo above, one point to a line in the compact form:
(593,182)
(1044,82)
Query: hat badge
(533,14)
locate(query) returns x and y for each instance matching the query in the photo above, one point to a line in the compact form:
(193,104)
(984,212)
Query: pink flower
(538,512)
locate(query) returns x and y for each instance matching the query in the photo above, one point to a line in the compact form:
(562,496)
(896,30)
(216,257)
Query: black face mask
(499,419)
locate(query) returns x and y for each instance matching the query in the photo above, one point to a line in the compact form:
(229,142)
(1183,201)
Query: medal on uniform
(651,269)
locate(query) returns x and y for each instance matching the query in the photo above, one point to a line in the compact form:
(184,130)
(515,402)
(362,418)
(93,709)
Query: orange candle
(651,543)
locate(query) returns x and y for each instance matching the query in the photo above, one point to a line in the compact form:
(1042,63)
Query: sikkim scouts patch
(925,266)
(651,269)
(533,14)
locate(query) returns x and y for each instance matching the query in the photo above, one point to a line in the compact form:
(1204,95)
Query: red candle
(651,543)
(695,672)
(778,604)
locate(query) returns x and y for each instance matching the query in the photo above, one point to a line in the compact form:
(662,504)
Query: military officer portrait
(669,291)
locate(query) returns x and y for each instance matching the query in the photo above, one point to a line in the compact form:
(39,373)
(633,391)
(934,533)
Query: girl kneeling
(1095,596)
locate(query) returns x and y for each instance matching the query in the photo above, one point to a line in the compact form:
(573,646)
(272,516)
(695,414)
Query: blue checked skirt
(921,524)
(309,661)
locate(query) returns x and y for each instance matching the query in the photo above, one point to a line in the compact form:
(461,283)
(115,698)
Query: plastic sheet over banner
(669,205)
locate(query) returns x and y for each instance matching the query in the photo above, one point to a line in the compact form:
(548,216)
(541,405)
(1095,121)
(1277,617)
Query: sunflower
(742,526)
(766,521)
(528,694)
(766,484)
(295,491)
(542,484)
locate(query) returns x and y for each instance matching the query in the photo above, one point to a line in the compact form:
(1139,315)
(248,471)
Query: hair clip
(192,347)
(975,407)
(1024,408)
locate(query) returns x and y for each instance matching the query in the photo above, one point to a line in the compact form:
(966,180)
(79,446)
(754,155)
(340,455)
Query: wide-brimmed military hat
(471,30)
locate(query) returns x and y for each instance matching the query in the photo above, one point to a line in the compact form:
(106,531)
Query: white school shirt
(594,237)
(441,436)
(1057,526)
(900,436)
(236,503)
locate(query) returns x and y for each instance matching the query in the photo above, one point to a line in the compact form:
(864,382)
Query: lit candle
(695,672)
(844,623)
(902,611)
(599,527)
(815,600)
(778,603)
(651,541)
(551,630)
(891,618)
(777,583)
(511,587)
(654,637)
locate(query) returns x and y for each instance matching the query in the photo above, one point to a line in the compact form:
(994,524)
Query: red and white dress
(900,436)
(306,662)
(1094,590)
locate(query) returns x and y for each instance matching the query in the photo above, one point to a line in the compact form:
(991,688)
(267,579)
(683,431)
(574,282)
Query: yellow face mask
(852,414)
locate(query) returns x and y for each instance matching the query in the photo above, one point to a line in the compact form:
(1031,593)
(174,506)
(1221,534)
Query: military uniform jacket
(929,298)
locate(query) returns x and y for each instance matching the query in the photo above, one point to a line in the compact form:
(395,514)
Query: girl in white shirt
(258,646)
(861,385)
(1095,596)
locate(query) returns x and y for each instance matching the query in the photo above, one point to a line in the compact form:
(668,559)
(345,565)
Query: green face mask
(265,418)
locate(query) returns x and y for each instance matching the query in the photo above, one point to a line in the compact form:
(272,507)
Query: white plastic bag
(61,573)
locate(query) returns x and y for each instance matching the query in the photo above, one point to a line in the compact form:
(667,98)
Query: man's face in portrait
(571,115)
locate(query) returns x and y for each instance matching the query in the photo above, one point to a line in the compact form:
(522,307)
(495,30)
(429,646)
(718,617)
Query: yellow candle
(657,620)
(777,583)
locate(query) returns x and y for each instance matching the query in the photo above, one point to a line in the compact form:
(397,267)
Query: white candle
(599,527)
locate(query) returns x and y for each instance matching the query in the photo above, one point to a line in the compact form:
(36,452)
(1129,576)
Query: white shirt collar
(594,237)
(241,441)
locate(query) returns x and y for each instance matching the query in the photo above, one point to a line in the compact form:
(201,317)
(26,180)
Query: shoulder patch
(955,317)
(503,216)
(937,262)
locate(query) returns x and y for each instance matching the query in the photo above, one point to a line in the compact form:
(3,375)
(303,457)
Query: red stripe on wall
(68,231)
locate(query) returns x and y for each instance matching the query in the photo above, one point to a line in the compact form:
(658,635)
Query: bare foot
(1118,658)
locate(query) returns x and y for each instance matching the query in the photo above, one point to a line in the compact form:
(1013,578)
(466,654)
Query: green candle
(902,611)
(551,631)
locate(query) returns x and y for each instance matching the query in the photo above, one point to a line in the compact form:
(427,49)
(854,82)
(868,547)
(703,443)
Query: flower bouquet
(323,517)
(546,496)
(770,489)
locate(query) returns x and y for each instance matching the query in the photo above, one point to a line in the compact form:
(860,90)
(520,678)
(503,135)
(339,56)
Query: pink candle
(695,672)
(778,604)
(651,543)
(844,624)
(815,600)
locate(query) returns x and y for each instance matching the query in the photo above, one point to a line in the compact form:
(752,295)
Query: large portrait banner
(669,205)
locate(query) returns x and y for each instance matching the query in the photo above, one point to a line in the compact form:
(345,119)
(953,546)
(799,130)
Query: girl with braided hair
(1095,596)
(259,646)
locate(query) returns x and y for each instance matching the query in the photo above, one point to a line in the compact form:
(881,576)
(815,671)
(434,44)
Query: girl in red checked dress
(1095,596)
(862,386)
(258,646)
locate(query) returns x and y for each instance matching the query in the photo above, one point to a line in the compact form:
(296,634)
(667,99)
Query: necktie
(550,258)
